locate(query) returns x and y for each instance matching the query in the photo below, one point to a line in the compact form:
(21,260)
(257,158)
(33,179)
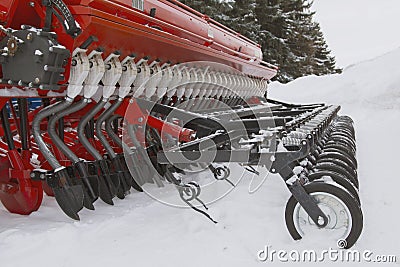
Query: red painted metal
(133,114)
(19,193)
(176,34)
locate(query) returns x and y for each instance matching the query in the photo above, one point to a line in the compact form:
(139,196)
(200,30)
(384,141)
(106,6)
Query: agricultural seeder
(100,97)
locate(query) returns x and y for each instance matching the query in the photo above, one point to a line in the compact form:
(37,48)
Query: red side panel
(176,33)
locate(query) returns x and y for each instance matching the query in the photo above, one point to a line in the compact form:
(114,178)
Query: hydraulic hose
(114,136)
(103,117)
(124,178)
(142,152)
(81,129)
(108,187)
(43,114)
(24,132)
(55,137)
(111,132)
(6,126)
(64,148)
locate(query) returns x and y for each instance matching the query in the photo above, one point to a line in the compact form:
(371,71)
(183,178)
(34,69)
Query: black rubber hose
(23,117)
(56,138)
(111,133)
(108,187)
(7,130)
(103,117)
(64,148)
(43,114)
(130,157)
(81,129)
(124,179)
(143,154)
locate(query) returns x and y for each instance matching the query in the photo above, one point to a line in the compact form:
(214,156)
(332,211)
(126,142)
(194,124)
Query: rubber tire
(348,200)
(338,169)
(343,139)
(340,143)
(347,155)
(349,169)
(339,147)
(337,178)
(338,156)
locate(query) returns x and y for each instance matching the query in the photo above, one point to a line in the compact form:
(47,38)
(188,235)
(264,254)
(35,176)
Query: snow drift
(140,231)
(374,84)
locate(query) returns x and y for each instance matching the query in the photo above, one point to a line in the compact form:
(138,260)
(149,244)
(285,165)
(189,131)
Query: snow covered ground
(369,92)
(142,232)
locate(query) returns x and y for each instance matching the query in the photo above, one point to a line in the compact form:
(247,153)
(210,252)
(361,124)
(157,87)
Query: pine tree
(275,30)
(242,18)
(299,40)
(292,40)
(285,29)
(212,8)
(324,62)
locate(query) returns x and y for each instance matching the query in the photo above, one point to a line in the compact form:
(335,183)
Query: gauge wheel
(344,214)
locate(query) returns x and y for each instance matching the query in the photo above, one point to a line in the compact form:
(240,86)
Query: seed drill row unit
(99,97)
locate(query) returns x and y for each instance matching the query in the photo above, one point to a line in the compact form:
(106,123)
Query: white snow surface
(140,231)
(369,92)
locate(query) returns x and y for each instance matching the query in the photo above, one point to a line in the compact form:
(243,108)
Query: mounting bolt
(29,37)
(131,101)
(321,221)
(42,176)
(32,4)
(140,120)
(37,80)
(32,175)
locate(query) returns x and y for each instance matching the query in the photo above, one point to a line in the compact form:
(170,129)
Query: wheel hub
(339,218)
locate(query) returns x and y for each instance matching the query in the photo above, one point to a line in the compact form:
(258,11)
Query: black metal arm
(63,14)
